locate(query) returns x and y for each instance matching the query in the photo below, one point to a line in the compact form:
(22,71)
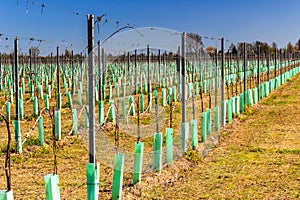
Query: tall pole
(159,61)
(80,63)
(135,71)
(128,63)
(0,66)
(51,68)
(216,75)
(268,63)
(16,77)
(258,69)
(30,62)
(100,72)
(222,70)
(280,62)
(184,124)
(103,69)
(245,70)
(92,168)
(92,145)
(148,75)
(275,57)
(285,63)
(58,70)
(223,102)
(72,67)
(183,82)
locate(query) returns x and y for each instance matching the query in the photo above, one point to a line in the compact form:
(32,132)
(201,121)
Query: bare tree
(35,50)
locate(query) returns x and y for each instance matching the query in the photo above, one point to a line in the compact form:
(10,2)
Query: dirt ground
(257,157)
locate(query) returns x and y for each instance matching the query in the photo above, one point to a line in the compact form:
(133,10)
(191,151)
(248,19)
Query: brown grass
(256,158)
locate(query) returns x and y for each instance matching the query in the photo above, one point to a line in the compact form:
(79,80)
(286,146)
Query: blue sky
(236,20)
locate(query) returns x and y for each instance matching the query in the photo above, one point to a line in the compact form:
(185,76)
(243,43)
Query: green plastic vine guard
(217,120)
(118,177)
(205,86)
(131,105)
(255,98)
(208,120)
(138,162)
(197,88)
(66,86)
(100,112)
(155,93)
(46,101)
(145,87)
(164,95)
(41,131)
(174,93)
(271,85)
(20,93)
(79,97)
(242,101)
(169,145)
(277,82)
(7,110)
(40,88)
(189,90)
(112,116)
(124,89)
(74,121)
(21,108)
(194,127)
(111,91)
(31,92)
(93,177)
(204,128)
(96,94)
(18,139)
(229,110)
(250,97)
(117,90)
(263,88)
(233,105)
(35,107)
(267,88)
(237,104)
(169,95)
(6,195)
(52,188)
(157,152)
(57,121)
(150,101)
(46,83)
(69,99)
(142,103)
(184,130)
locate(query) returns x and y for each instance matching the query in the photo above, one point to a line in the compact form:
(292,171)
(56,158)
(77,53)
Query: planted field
(257,157)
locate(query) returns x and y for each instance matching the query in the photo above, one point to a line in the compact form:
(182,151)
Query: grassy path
(258,157)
